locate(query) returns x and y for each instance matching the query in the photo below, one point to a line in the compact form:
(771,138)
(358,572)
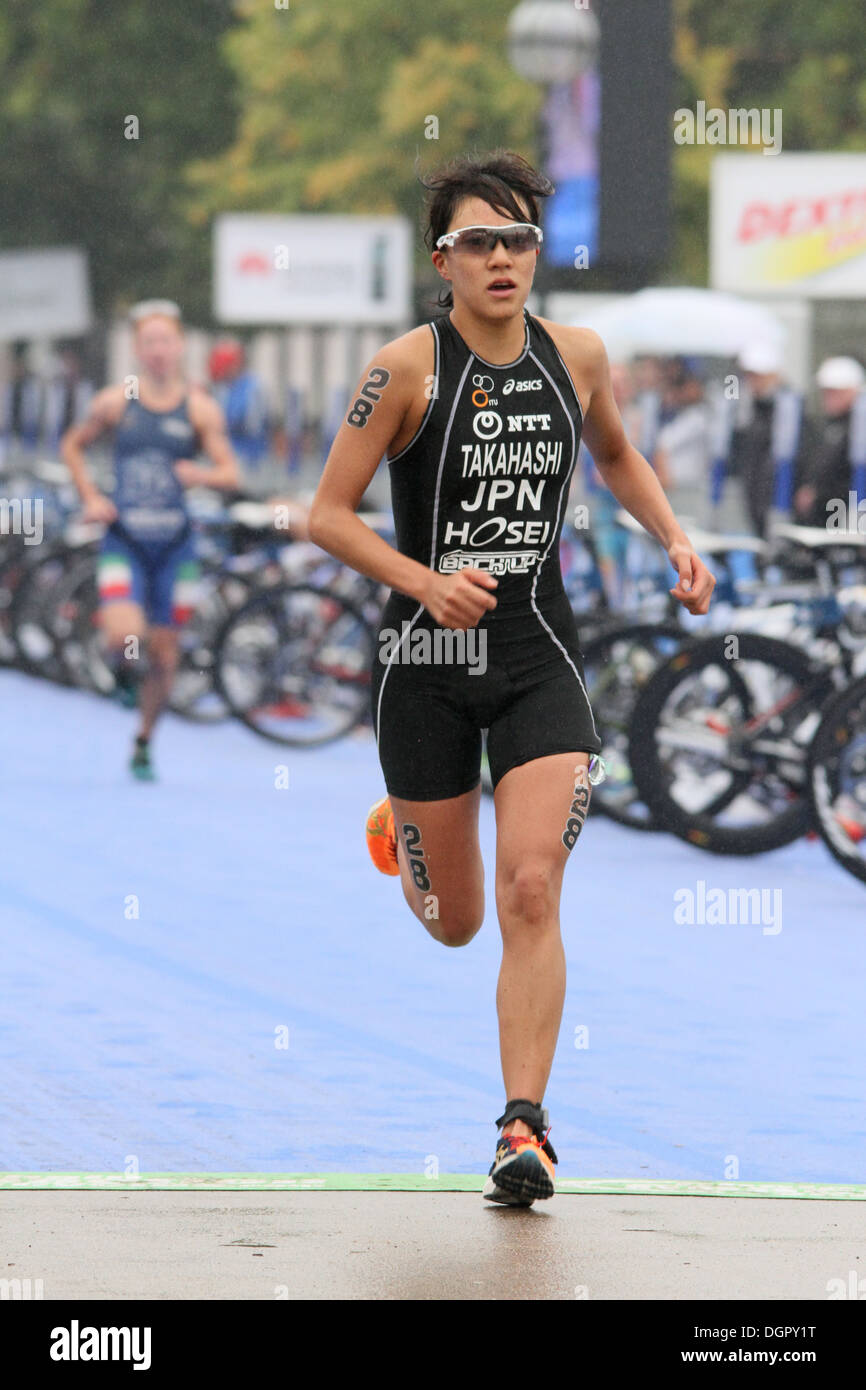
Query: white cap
(840,374)
(761,358)
(166,308)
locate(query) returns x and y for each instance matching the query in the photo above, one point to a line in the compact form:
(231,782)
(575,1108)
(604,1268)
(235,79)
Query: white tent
(669,322)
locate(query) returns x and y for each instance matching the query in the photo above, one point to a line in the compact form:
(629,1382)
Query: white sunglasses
(481,240)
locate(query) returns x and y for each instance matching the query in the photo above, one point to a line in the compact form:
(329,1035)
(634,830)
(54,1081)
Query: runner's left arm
(208,418)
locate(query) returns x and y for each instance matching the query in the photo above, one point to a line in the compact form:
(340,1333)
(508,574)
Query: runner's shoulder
(582,347)
(108,405)
(203,408)
(406,359)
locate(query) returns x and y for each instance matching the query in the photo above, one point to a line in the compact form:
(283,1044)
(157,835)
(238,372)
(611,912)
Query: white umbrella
(669,322)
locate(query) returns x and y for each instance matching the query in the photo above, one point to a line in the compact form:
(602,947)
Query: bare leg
(156,686)
(124,631)
(440,864)
(534,805)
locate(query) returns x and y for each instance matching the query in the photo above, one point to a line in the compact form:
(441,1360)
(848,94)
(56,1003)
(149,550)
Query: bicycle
(720,735)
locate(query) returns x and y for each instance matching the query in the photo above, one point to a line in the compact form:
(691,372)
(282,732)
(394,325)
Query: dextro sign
(796,225)
(835,213)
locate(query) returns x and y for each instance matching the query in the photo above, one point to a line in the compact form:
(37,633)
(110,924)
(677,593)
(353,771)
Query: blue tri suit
(147,554)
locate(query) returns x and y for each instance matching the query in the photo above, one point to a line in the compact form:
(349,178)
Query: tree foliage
(71,73)
(339,102)
(329,105)
(805,59)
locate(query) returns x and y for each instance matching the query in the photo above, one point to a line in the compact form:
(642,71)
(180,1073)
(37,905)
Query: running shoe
(125,690)
(140,765)
(382,838)
(522,1171)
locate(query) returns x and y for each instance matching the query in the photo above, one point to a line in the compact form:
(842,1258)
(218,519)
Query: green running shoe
(140,765)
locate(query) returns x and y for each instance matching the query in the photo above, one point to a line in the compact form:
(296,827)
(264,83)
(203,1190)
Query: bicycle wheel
(76,630)
(618,664)
(718,745)
(11,571)
(293,663)
(837,778)
(31,613)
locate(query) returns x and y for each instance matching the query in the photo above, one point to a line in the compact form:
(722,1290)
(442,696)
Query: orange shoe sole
(382,838)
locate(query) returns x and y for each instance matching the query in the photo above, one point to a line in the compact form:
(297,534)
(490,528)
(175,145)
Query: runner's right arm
(373,420)
(104,411)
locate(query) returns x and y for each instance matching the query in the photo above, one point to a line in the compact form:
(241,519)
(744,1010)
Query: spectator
(243,401)
(827,477)
(609,539)
(67,396)
(646,376)
(773,441)
(683,450)
(22,412)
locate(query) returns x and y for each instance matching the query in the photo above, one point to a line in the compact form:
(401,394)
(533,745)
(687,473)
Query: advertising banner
(791,224)
(311,268)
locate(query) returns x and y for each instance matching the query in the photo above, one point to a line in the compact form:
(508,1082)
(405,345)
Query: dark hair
(499,177)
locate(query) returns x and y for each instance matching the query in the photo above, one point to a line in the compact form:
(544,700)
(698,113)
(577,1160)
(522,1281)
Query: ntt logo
(487,424)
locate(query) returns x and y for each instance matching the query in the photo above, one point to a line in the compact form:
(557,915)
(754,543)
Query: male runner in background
(147,566)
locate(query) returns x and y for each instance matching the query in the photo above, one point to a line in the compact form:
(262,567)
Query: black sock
(124,676)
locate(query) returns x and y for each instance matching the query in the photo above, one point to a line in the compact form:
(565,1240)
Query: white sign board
(789,223)
(44,294)
(311,268)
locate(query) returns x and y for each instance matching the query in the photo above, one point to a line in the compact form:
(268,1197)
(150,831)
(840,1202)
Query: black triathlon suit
(484,483)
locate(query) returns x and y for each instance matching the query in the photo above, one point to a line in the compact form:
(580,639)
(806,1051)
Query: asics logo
(513,385)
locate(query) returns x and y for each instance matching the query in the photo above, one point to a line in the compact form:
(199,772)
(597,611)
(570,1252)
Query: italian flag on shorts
(185,591)
(115,577)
